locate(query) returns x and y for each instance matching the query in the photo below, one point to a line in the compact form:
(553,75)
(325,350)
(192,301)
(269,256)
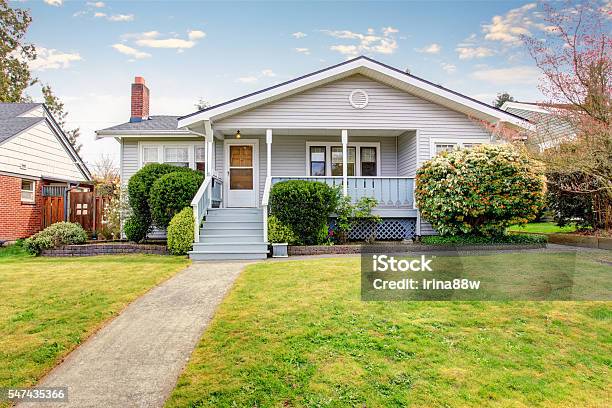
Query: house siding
(41,152)
(406,154)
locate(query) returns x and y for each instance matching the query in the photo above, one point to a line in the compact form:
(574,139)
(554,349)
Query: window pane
(317,161)
(241,156)
(149,155)
(444,147)
(337,160)
(27,185)
(176,154)
(317,168)
(368,161)
(241,179)
(200,154)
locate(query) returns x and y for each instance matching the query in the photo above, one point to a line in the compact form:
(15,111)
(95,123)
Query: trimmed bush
(480,191)
(180,232)
(140,185)
(304,206)
(279,233)
(136,229)
(480,240)
(55,235)
(171,193)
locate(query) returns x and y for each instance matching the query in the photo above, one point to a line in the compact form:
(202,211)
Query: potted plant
(280,236)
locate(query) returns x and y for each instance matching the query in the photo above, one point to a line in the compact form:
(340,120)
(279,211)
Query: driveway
(135,360)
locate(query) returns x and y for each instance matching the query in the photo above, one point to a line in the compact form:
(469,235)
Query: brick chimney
(140,100)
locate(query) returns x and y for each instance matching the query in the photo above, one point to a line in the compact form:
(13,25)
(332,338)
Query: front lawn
(543,228)
(48,306)
(297,334)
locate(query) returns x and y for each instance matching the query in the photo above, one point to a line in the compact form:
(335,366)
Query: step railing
(390,192)
(209,193)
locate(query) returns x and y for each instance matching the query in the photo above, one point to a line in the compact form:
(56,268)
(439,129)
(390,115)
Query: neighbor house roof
(365,66)
(13,123)
(164,124)
(542,116)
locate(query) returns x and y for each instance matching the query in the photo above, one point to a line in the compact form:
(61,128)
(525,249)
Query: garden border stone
(115,248)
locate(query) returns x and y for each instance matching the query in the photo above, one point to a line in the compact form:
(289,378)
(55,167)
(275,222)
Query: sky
(89,52)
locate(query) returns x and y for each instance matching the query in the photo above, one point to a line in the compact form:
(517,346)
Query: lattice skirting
(387,230)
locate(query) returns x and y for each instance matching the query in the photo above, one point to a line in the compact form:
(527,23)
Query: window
(27,191)
(150,155)
(336,161)
(177,156)
(317,160)
(200,159)
(445,147)
(368,161)
(469,145)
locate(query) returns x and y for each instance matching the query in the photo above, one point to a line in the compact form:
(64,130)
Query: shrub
(571,206)
(55,235)
(480,240)
(135,228)
(480,191)
(180,232)
(304,206)
(140,185)
(349,214)
(279,232)
(171,193)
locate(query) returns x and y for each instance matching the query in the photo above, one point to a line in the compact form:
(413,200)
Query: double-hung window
(368,161)
(28,188)
(150,154)
(326,159)
(177,155)
(445,147)
(200,159)
(317,161)
(336,160)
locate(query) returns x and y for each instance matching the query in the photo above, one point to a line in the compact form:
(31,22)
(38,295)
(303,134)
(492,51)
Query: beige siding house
(360,125)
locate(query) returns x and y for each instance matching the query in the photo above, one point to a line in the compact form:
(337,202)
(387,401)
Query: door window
(241,167)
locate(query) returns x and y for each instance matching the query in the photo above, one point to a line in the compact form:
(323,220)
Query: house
(360,125)
(36,159)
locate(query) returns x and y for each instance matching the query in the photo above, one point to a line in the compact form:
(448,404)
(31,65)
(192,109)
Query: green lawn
(48,306)
(296,333)
(542,228)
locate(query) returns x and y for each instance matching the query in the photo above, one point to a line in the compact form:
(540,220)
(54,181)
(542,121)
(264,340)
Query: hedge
(180,232)
(171,193)
(480,240)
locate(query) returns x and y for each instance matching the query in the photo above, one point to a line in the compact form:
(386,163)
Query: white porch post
(344,162)
(269,152)
(209,140)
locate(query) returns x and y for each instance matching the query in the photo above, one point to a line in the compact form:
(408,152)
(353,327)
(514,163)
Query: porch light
(238,134)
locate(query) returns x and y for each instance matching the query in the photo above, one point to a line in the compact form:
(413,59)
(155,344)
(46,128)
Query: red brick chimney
(140,100)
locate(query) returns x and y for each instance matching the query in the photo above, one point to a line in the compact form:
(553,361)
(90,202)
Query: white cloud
(99,14)
(430,49)
(299,34)
(49,58)
(369,42)
(513,75)
(54,3)
(121,17)
(247,79)
(96,4)
(304,51)
(132,52)
(196,35)
(474,52)
(449,68)
(268,73)
(510,27)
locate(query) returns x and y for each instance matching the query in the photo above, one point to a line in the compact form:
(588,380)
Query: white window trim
(33,191)
(162,145)
(457,142)
(328,146)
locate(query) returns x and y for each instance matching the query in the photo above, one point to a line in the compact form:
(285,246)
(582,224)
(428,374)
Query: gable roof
(360,65)
(165,124)
(13,124)
(553,126)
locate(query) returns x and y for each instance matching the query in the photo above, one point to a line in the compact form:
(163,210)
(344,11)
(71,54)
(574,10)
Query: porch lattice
(390,229)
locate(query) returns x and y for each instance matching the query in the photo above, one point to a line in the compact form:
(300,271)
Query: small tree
(480,191)
(502,98)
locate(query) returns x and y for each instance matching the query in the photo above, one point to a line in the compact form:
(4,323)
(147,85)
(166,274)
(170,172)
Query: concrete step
(224,256)
(232,225)
(236,247)
(224,217)
(235,211)
(230,237)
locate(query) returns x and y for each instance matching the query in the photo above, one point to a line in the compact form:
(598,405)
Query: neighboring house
(549,129)
(360,125)
(34,155)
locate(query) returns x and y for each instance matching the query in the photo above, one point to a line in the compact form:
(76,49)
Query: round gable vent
(359,99)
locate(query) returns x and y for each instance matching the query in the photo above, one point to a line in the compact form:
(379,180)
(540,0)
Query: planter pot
(279,250)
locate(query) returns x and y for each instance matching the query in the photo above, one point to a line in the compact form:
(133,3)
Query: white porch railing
(210,192)
(390,192)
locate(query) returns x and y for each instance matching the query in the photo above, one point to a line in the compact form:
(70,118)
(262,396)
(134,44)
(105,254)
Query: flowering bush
(55,235)
(480,191)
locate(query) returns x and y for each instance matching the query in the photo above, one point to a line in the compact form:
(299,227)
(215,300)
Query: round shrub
(280,233)
(136,228)
(304,206)
(180,232)
(55,235)
(171,193)
(140,185)
(480,191)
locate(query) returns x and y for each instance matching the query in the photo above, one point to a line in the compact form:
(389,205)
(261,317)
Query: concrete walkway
(136,359)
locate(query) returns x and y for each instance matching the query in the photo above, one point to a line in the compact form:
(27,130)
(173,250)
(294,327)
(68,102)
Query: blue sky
(90,51)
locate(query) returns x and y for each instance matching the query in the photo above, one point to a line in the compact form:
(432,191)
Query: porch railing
(390,192)
(209,193)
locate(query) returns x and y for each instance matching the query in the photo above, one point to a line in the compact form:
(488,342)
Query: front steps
(231,233)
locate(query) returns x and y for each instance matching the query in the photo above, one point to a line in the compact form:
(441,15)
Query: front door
(241,177)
